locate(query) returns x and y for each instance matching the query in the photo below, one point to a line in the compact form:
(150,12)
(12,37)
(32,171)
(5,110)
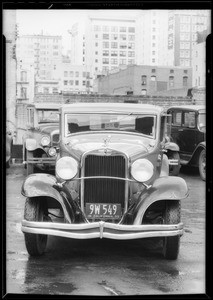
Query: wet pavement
(105,267)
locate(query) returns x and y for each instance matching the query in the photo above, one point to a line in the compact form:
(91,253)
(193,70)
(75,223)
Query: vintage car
(42,137)
(188,130)
(112,180)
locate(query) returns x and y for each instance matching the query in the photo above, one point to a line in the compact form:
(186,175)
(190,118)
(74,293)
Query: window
(23,92)
(114,53)
(96,36)
(83,82)
(153,37)
(76,82)
(55,91)
(23,76)
(143,92)
(153,70)
(153,60)
(143,79)
(105,60)
(114,36)
(185,78)
(96,60)
(153,52)
(105,36)
(131,53)
(114,45)
(114,61)
(122,61)
(185,71)
(71,73)
(106,53)
(176,118)
(55,53)
(105,28)
(189,119)
(131,46)
(96,44)
(88,83)
(122,29)
(131,29)
(153,78)
(123,46)
(97,28)
(123,37)
(131,37)
(114,29)
(171,81)
(171,71)
(131,61)
(105,44)
(46,90)
(153,44)
(65,82)
(76,74)
(65,73)
(122,53)
(71,82)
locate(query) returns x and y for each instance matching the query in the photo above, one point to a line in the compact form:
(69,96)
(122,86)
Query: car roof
(45,105)
(189,107)
(112,107)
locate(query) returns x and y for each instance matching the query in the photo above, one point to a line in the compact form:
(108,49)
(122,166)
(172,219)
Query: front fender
(42,185)
(164,188)
(31,144)
(172,146)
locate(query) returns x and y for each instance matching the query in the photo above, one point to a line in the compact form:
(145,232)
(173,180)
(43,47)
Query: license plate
(102,210)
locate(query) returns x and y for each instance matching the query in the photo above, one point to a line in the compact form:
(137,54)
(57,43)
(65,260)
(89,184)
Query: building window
(105,60)
(23,76)
(114,45)
(96,44)
(123,37)
(153,44)
(65,82)
(171,81)
(65,73)
(96,60)
(55,53)
(71,82)
(131,46)
(131,61)
(114,36)
(171,71)
(76,82)
(153,37)
(153,70)
(153,60)
(122,61)
(185,71)
(131,37)
(106,53)
(143,79)
(83,82)
(153,52)
(97,28)
(153,78)
(23,92)
(123,46)
(114,53)
(131,29)
(76,74)
(71,73)
(122,29)
(105,44)
(105,36)
(105,28)
(185,78)
(55,91)
(46,90)
(131,53)
(114,61)
(143,92)
(122,53)
(114,29)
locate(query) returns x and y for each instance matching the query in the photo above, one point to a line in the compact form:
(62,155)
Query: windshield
(202,121)
(48,116)
(143,124)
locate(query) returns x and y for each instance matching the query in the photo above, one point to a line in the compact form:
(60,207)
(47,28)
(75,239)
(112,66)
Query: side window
(189,119)
(176,118)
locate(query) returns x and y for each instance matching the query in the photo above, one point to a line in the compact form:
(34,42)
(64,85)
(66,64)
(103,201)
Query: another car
(188,130)
(112,180)
(42,137)
(9,145)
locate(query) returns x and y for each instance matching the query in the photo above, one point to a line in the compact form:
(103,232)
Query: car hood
(131,145)
(47,128)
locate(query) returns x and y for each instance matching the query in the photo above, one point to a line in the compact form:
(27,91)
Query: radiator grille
(104,190)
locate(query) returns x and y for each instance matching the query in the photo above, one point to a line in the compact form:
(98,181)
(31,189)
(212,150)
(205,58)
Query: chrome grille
(104,190)
(55,139)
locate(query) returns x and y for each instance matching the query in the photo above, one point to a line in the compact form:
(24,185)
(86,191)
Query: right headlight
(66,168)
(142,170)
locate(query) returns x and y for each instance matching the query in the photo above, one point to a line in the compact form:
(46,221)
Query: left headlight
(142,170)
(52,151)
(66,168)
(45,140)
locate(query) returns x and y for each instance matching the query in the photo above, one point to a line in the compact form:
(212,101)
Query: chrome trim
(173,162)
(102,154)
(102,230)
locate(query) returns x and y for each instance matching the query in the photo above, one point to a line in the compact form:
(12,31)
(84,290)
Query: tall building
(183,26)
(43,52)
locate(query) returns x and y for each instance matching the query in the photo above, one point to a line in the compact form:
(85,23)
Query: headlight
(142,170)
(52,151)
(66,168)
(45,140)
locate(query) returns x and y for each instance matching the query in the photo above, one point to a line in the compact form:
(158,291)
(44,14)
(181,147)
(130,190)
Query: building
(43,52)
(183,26)
(25,84)
(75,78)
(10,35)
(146,80)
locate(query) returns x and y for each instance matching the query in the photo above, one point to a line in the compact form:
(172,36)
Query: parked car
(188,130)
(42,137)
(9,145)
(112,180)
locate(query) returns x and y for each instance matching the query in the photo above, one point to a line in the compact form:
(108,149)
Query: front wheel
(174,169)
(35,210)
(171,244)
(202,164)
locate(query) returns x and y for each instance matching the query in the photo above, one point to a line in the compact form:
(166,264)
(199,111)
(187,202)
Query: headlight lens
(52,151)
(45,140)
(142,170)
(66,168)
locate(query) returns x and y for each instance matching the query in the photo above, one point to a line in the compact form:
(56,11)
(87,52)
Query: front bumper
(102,230)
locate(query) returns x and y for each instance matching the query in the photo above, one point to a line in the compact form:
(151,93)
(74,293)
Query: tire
(171,244)
(35,210)
(30,167)
(174,170)
(202,165)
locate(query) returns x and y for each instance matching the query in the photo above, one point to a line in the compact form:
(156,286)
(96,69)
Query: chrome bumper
(102,230)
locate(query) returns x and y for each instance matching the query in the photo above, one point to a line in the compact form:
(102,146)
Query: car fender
(165,188)
(172,146)
(31,144)
(195,156)
(44,185)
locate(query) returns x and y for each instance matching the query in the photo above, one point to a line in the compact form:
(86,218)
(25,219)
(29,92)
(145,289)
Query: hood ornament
(106,144)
